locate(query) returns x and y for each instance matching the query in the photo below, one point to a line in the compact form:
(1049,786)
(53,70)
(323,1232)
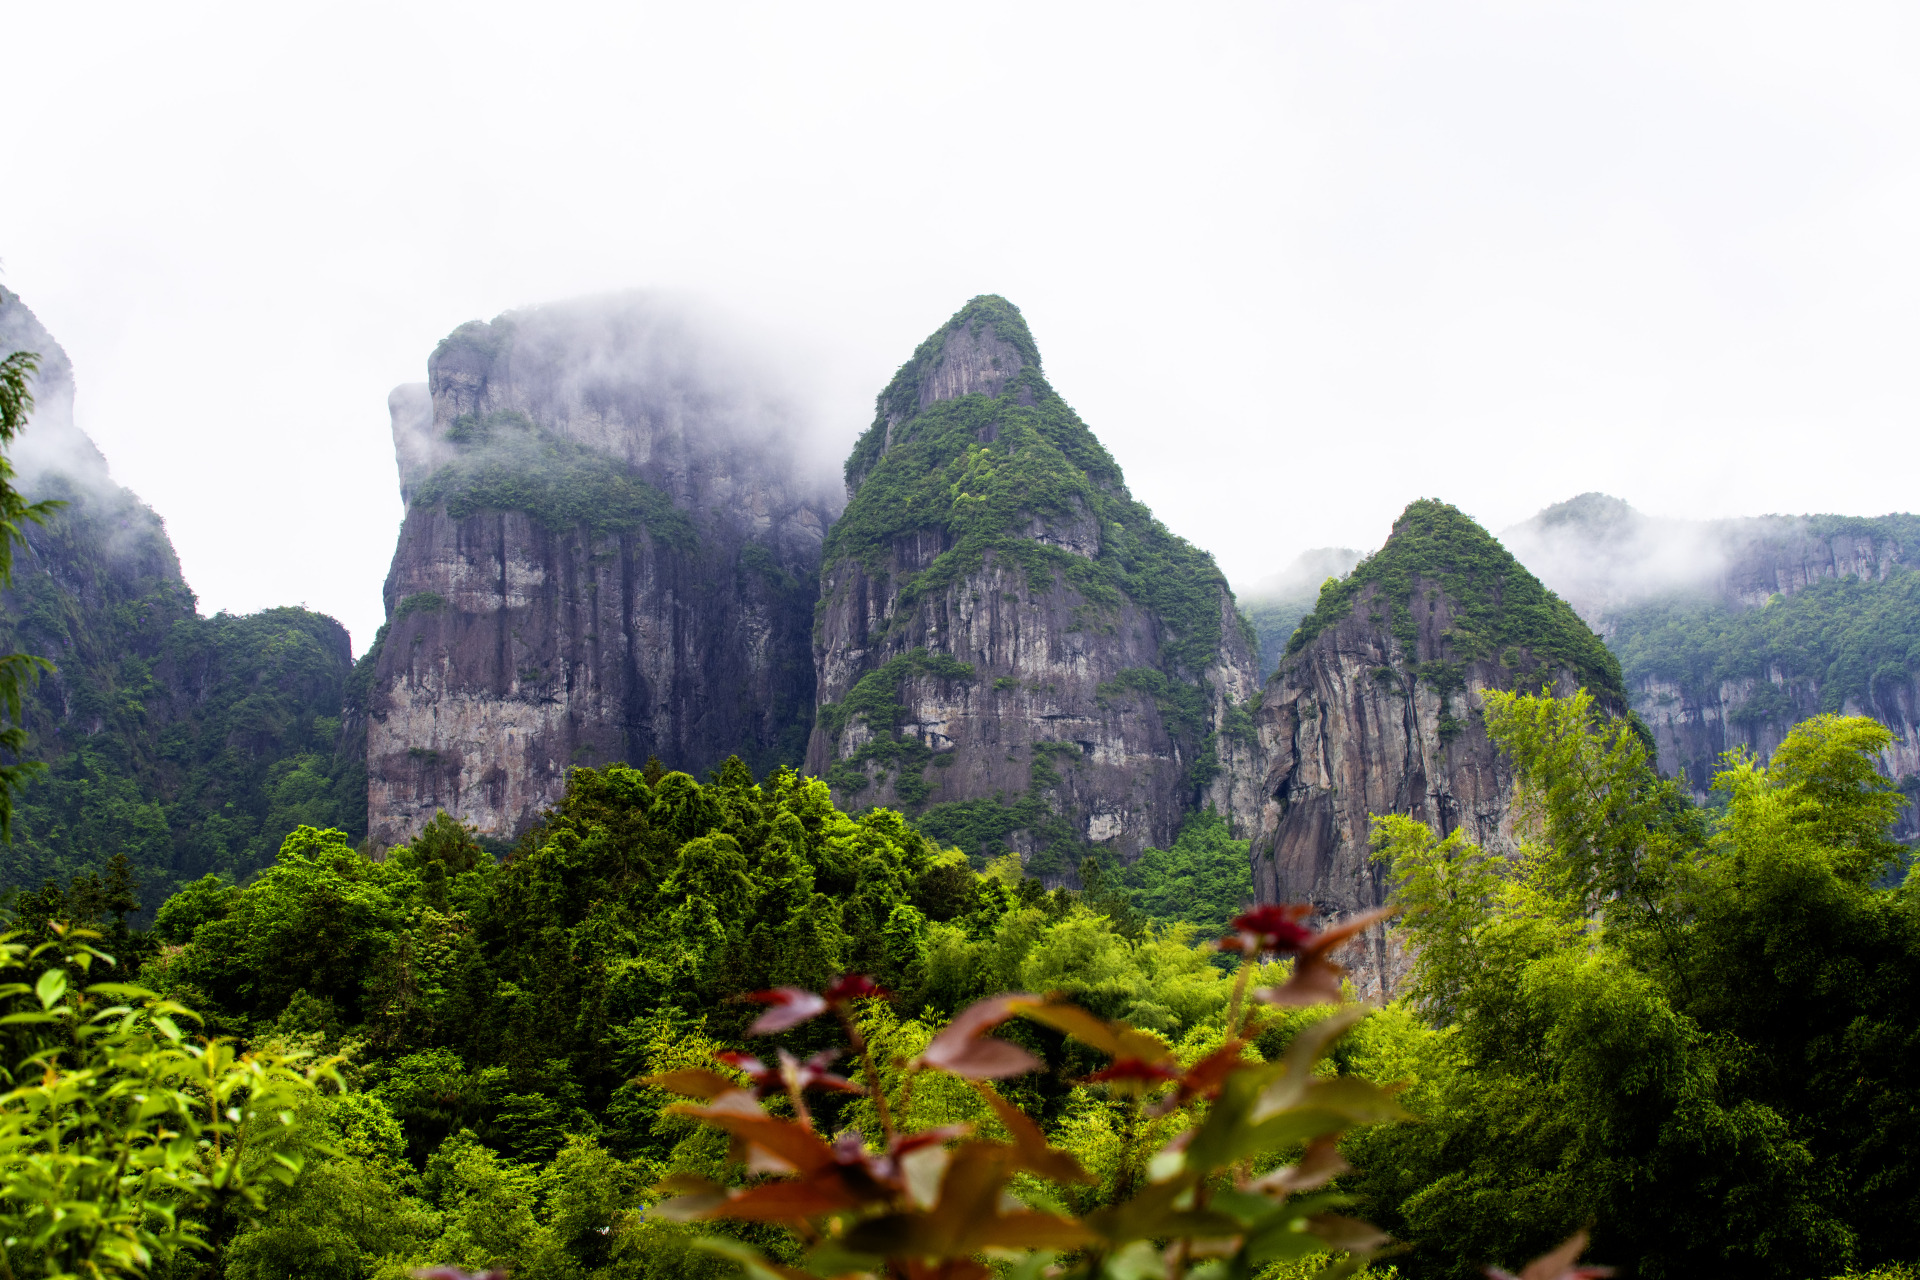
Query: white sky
(1296,263)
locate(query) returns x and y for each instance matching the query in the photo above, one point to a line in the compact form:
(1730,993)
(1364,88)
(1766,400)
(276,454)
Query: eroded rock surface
(1379,712)
(1008,647)
(607,555)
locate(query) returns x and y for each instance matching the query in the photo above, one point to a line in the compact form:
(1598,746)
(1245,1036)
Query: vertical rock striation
(1007,645)
(607,555)
(1375,709)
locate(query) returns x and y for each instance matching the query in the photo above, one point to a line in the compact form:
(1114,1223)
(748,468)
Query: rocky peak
(609,553)
(1375,709)
(1009,646)
(978,352)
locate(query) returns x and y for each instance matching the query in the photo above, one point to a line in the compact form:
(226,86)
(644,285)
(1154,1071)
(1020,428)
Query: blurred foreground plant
(122,1141)
(940,1204)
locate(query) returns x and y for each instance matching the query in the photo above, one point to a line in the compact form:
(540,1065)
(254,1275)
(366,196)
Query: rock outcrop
(1730,632)
(1375,710)
(607,555)
(1008,647)
(190,744)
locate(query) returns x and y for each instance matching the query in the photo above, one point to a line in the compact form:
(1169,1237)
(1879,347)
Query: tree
(1698,1035)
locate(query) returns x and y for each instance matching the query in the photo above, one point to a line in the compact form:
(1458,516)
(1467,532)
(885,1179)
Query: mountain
(1008,646)
(191,744)
(1730,632)
(608,554)
(1276,604)
(1374,709)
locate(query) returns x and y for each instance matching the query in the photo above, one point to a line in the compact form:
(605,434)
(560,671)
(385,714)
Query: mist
(1296,265)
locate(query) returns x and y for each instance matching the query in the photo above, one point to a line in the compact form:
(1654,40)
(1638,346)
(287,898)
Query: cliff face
(1007,646)
(190,744)
(1730,632)
(606,556)
(1375,710)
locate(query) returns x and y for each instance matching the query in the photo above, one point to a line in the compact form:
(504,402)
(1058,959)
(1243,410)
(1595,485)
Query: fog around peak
(1303,575)
(635,375)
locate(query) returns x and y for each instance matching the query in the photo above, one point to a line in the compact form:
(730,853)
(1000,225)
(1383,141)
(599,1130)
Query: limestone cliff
(607,555)
(1730,632)
(1007,645)
(190,744)
(1375,709)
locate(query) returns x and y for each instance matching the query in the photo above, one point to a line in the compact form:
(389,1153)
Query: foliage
(122,1141)
(18,671)
(188,744)
(1854,638)
(983,475)
(1497,605)
(1204,880)
(1697,1036)
(506,463)
(1213,1198)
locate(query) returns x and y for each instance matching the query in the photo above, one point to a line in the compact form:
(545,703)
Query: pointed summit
(979,351)
(1375,709)
(1495,604)
(1009,647)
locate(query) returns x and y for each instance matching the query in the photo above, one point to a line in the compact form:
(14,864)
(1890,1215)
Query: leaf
(51,987)
(1306,1048)
(962,1049)
(791,1007)
(1320,1163)
(1030,1146)
(692,1082)
(1349,1234)
(784,1201)
(789,1140)
(1031,1231)
(1558,1265)
(1116,1039)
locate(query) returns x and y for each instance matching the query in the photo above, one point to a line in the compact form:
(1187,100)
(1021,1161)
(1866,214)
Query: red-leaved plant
(938,1204)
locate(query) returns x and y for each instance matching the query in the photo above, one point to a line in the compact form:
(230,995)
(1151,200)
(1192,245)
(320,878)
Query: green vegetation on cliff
(507,463)
(188,744)
(982,471)
(1858,639)
(1497,605)
(1020,480)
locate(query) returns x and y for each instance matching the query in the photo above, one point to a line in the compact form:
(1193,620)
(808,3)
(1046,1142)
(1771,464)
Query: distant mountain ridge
(191,744)
(1730,632)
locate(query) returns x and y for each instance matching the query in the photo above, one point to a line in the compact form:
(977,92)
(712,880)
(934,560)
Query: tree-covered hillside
(189,744)
(1707,1067)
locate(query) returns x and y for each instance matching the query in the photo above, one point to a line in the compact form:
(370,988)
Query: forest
(1692,1030)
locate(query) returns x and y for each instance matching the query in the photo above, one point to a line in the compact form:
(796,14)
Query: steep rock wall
(606,556)
(1730,632)
(1375,709)
(1008,647)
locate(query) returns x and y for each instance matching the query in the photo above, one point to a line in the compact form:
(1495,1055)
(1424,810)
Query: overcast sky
(1295,263)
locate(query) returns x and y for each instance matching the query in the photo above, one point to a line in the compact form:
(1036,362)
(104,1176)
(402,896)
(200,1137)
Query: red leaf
(783,1201)
(791,1007)
(1557,1265)
(1030,1147)
(855,986)
(789,1140)
(962,1049)
(693,1082)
